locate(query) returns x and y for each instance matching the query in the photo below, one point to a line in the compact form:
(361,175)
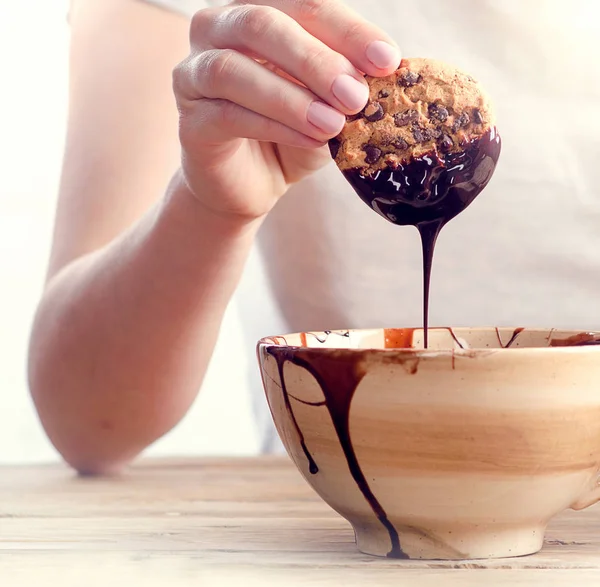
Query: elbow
(91,443)
(94,465)
(95,414)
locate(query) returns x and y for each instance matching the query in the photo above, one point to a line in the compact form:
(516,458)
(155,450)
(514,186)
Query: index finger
(368,47)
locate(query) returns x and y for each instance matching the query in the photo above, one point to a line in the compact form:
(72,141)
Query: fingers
(277,38)
(343,30)
(216,121)
(229,75)
(313,53)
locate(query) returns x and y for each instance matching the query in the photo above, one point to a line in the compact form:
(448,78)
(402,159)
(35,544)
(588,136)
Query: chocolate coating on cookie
(424,107)
(431,188)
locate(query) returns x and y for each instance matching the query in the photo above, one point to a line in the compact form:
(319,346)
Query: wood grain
(231,522)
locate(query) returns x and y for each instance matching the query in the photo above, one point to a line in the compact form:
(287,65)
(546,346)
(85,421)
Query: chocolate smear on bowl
(580,339)
(338,373)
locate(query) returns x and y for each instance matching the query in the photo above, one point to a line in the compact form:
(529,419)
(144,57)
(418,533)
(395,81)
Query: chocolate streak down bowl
(465,450)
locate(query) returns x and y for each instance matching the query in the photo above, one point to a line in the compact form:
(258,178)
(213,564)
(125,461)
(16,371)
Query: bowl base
(451,542)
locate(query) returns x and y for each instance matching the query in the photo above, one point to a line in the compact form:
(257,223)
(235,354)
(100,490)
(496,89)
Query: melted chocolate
(312,465)
(322,339)
(338,373)
(581,339)
(429,191)
(399,338)
(460,345)
(512,340)
(402,338)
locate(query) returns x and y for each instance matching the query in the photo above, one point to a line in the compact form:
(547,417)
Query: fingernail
(350,92)
(383,55)
(330,121)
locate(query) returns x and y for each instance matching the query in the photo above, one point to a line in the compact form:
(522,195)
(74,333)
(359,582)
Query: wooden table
(222,522)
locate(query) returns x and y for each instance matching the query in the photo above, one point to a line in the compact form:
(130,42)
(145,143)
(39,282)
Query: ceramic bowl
(465,450)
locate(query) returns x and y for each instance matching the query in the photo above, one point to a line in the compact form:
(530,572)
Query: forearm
(122,337)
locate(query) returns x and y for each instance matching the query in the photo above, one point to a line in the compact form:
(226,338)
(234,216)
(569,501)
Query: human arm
(138,281)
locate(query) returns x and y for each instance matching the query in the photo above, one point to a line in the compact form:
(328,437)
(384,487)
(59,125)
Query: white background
(33,103)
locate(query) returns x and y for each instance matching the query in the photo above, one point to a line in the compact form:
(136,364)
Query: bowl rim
(280,341)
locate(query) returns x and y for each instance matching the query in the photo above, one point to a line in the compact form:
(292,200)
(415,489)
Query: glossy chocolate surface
(429,191)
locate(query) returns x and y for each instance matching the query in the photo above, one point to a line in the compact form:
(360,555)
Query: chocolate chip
(384,93)
(373,112)
(386,139)
(404,118)
(446,143)
(477,118)
(421,134)
(400,144)
(334,147)
(439,112)
(408,79)
(460,121)
(436,133)
(373,154)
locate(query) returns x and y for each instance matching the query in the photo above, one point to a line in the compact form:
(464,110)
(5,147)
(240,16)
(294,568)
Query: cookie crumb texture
(426,106)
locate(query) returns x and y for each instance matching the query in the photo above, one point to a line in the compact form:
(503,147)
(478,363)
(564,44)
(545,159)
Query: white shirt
(526,253)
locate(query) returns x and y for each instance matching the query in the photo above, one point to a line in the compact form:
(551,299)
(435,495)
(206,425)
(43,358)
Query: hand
(267,83)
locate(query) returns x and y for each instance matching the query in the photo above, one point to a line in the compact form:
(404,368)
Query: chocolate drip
(322,339)
(455,338)
(512,340)
(281,358)
(428,191)
(338,374)
(429,232)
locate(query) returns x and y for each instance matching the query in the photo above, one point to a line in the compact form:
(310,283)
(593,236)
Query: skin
(153,226)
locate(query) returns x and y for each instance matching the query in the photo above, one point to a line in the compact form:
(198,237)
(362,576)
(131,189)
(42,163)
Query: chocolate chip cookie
(426,106)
